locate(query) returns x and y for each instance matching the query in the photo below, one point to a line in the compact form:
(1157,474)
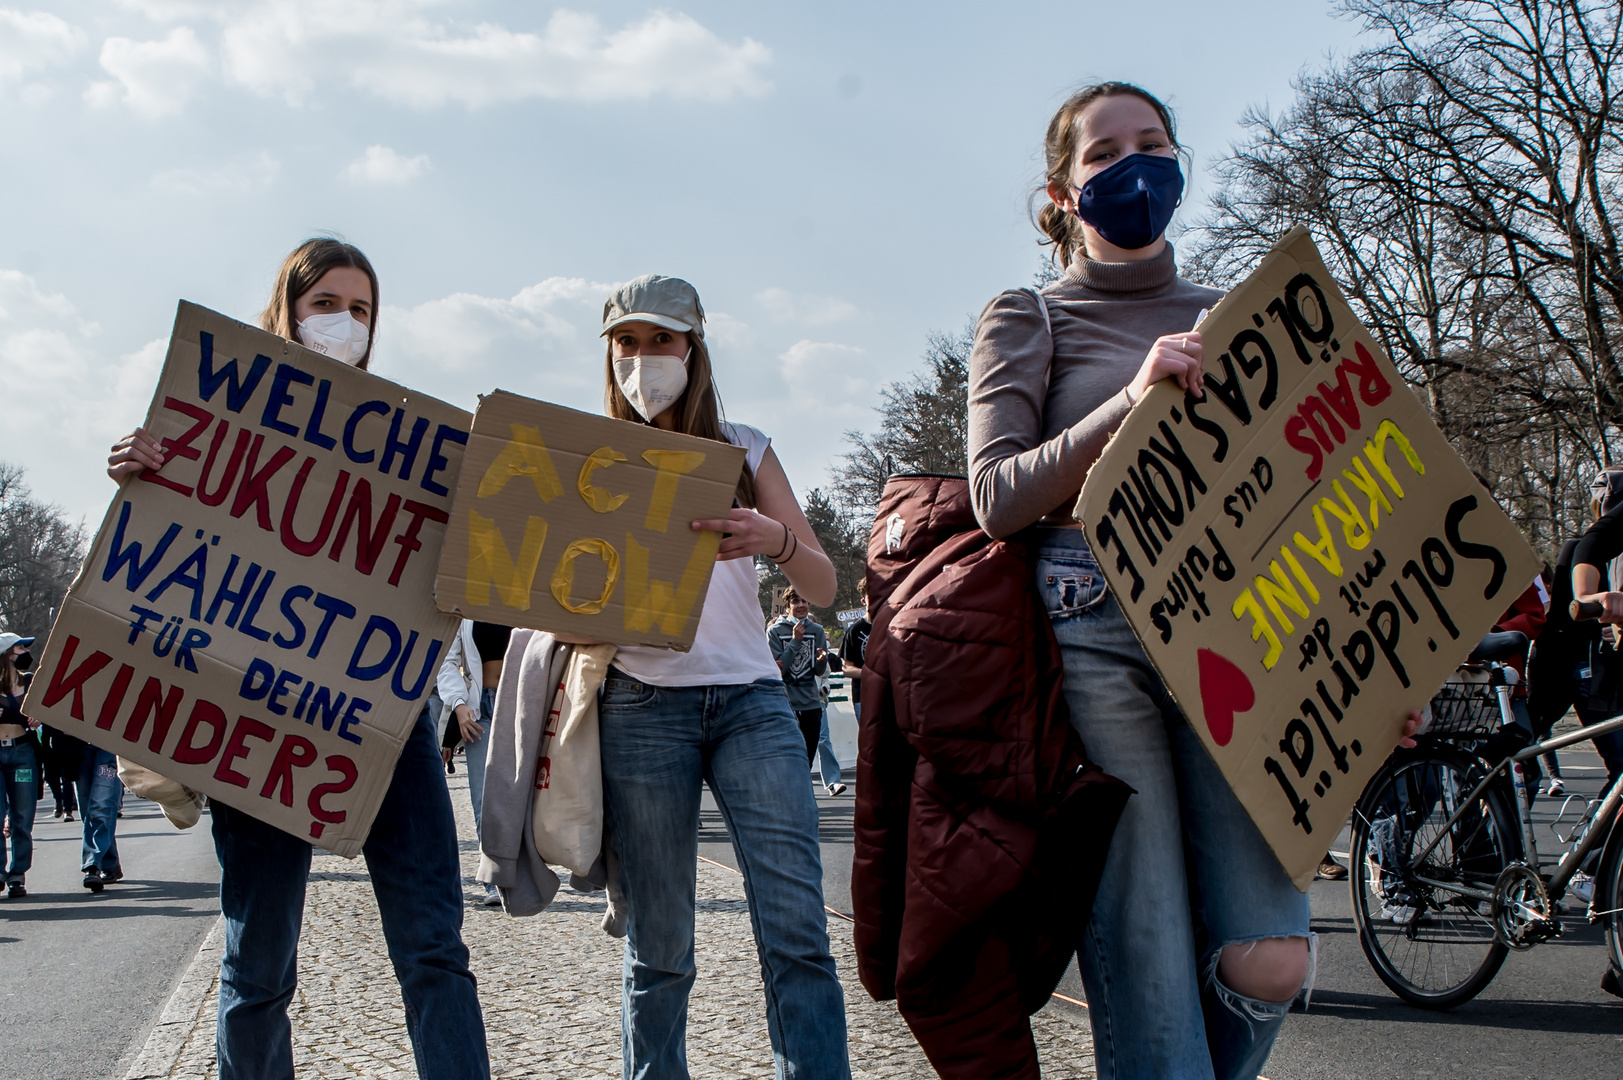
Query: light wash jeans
(659,745)
(19,796)
(827,762)
(474,753)
(1155,1004)
(411,855)
(101,793)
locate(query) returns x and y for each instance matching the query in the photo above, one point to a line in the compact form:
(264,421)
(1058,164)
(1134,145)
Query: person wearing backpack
(1173,989)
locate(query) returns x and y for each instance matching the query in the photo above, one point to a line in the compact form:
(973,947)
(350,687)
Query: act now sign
(256,619)
(1303,556)
(579,524)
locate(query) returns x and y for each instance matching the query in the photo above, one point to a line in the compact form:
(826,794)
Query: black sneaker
(112,873)
(15,889)
(93,879)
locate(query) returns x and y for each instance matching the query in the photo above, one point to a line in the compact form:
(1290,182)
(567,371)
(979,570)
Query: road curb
(183,1012)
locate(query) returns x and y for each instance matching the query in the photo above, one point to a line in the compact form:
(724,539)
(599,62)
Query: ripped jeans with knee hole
(1186,864)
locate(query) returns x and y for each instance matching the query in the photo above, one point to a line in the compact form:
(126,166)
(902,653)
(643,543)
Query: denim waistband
(1069,541)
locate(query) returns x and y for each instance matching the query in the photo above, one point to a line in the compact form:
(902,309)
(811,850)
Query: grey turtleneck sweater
(1037,425)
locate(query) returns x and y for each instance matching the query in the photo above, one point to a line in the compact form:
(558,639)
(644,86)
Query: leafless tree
(40,552)
(923,427)
(1461,175)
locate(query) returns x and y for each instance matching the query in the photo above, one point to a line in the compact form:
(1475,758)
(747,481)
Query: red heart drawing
(1224,691)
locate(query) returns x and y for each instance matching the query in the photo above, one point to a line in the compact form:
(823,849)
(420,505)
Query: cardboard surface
(256,619)
(1303,556)
(578,524)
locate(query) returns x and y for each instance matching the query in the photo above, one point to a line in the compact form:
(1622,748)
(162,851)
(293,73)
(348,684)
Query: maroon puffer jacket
(981,830)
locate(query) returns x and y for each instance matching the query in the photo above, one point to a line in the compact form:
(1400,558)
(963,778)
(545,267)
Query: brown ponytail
(1064,230)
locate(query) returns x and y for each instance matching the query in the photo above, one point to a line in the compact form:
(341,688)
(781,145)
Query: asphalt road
(1544,1015)
(85,976)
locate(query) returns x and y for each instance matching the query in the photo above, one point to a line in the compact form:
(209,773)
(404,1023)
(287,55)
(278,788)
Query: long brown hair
(303,267)
(9,675)
(698,410)
(1064,230)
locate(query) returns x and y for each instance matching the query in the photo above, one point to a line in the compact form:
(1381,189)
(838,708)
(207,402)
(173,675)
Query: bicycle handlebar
(1585,610)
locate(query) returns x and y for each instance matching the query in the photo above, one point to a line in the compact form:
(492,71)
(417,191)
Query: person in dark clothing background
(19,761)
(800,648)
(854,651)
(1586,570)
(60,755)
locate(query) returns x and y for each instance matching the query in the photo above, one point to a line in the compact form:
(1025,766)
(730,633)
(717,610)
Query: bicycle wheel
(1609,891)
(1429,945)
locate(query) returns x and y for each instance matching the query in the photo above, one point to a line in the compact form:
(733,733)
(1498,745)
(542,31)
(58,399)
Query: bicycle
(1445,872)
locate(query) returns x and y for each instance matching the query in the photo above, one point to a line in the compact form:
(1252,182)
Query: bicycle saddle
(1499,646)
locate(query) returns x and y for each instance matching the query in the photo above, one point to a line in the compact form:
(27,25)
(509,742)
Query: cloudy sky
(837,179)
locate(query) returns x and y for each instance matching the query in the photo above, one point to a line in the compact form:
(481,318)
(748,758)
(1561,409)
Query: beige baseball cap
(654,298)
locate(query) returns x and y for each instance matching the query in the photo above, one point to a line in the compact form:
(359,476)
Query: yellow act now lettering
(496,574)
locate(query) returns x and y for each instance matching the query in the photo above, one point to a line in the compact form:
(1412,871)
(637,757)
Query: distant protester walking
(19,762)
(800,648)
(60,754)
(468,679)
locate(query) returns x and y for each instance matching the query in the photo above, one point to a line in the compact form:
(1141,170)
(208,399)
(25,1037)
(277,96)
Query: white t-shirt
(730,647)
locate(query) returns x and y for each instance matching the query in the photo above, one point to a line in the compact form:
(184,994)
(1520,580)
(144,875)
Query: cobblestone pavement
(550,989)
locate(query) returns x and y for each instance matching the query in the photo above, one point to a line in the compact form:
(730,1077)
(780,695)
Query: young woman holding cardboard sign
(326,298)
(717,714)
(1052,375)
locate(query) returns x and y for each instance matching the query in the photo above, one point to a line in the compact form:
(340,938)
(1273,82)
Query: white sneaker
(1557,788)
(836,788)
(1583,887)
(1401,914)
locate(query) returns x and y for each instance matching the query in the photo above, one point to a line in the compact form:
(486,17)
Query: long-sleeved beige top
(1036,425)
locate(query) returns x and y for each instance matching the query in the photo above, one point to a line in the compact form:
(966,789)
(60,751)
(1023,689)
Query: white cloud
(153,78)
(391,49)
(242,175)
(806,308)
(171,10)
(819,376)
(33,42)
(68,398)
(542,342)
(381,165)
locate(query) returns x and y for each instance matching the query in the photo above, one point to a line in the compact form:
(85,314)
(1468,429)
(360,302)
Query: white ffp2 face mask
(337,334)
(652,383)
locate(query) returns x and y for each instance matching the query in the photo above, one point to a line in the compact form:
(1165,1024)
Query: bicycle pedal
(1542,930)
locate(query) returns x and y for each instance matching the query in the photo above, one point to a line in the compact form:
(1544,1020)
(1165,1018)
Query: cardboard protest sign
(1303,556)
(256,619)
(578,524)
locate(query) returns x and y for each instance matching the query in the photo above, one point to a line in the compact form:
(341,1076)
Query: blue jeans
(1155,1003)
(659,744)
(829,764)
(411,854)
(475,753)
(19,795)
(100,795)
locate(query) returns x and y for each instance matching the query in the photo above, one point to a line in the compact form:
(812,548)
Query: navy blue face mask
(1131,203)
